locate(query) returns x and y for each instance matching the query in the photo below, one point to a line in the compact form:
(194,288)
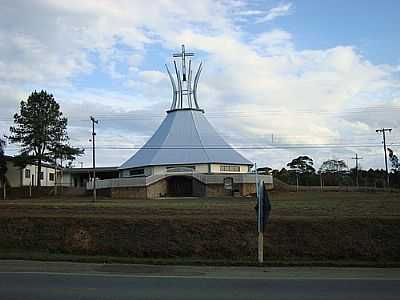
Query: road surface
(45,280)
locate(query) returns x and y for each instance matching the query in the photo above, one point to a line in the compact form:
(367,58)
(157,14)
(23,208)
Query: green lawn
(284,204)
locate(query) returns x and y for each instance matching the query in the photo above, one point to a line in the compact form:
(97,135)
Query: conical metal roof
(185,137)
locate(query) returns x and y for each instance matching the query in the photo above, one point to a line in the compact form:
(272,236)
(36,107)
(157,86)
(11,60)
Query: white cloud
(54,40)
(251,78)
(152,77)
(249,12)
(276,36)
(273,87)
(274,42)
(283,9)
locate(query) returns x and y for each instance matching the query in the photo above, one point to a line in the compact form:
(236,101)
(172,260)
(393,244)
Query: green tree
(264,170)
(333,166)
(394,160)
(3,163)
(40,129)
(64,152)
(303,164)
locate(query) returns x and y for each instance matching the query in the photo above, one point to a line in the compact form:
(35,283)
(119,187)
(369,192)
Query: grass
(284,204)
(306,228)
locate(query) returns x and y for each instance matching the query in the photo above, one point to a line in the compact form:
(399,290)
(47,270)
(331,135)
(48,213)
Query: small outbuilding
(17,176)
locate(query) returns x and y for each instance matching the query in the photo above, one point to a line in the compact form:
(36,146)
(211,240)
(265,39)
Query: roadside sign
(263,207)
(263,210)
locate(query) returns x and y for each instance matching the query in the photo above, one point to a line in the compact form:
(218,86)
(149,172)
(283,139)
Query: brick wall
(160,189)
(129,192)
(157,189)
(215,190)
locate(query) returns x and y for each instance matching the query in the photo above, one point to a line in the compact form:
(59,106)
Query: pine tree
(40,129)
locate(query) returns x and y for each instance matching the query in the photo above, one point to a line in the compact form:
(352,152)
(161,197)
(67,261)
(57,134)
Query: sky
(280,78)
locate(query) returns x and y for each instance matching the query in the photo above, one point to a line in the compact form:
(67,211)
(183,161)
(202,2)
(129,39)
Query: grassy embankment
(339,228)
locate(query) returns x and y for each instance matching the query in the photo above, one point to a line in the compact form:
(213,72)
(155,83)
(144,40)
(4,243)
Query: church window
(181,169)
(229,168)
(136,172)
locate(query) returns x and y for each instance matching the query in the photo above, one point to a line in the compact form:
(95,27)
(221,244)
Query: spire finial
(184,85)
(183,55)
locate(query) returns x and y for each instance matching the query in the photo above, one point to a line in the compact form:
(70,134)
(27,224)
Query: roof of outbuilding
(86,170)
(185,137)
(44,164)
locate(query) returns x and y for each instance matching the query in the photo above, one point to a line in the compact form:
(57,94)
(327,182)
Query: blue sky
(370,26)
(306,72)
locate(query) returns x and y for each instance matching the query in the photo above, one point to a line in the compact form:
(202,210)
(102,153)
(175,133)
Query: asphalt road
(91,281)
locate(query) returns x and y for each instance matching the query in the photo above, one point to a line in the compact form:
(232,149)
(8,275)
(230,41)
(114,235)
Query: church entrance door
(180,186)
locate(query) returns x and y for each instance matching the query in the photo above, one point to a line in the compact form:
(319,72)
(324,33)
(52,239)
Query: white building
(185,156)
(185,140)
(79,177)
(17,176)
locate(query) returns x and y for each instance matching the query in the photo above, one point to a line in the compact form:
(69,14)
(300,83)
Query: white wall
(199,168)
(33,171)
(16,176)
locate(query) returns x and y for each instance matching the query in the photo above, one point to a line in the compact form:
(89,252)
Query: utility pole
(383,130)
(357,159)
(94,121)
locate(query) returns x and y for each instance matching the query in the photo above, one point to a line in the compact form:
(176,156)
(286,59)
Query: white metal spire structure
(183,55)
(184,89)
(185,136)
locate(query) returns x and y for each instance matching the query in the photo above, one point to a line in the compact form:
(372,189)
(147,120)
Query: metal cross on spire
(183,89)
(183,55)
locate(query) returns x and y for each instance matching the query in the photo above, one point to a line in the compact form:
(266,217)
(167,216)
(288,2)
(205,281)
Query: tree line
(334,172)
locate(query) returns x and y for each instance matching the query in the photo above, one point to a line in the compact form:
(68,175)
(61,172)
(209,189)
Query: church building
(185,156)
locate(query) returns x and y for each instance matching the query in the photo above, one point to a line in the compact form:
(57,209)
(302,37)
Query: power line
(140,116)
(310,146)
(238,147)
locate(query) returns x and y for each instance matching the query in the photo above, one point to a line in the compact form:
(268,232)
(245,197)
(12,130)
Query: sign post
(260,237)
(263,211)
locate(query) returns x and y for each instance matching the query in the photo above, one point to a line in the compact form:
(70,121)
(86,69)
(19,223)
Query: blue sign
(263,207)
